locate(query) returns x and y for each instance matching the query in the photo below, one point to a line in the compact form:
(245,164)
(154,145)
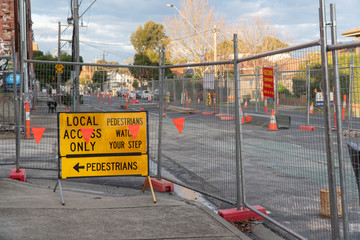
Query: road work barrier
(228,162)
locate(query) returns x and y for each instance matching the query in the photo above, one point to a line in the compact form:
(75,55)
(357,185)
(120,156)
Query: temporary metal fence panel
(7,113)
(197,146)
(284,170)
(349,74)
(39,144)
(288,165)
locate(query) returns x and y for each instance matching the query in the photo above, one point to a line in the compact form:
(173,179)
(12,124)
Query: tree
(147,41)
(46,73)
(191,32)
(99,76)
(257,36)
(151,37)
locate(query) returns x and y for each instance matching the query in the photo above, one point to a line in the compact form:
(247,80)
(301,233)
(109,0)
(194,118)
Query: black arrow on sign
(77,167)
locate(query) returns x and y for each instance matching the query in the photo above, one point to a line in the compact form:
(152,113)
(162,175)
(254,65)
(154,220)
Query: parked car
(121,92)
(138,94)
(132,94)
(156,94)
(145,94)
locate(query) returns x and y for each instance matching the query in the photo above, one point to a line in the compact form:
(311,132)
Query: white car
(132,94)
(145,94)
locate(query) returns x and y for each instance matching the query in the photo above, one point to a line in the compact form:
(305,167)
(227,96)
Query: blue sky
(108,24)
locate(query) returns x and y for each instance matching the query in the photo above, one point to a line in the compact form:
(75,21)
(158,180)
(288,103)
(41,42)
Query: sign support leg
(148,181)
(58,183)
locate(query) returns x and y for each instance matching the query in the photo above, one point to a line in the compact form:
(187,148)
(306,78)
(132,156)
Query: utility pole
(103,70)
(59,74)
(215,52)
(76,58)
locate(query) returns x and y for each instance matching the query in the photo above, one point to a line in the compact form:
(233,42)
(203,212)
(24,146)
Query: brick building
(10,27)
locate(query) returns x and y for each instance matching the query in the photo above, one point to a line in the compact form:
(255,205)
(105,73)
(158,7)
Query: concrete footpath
(32,210)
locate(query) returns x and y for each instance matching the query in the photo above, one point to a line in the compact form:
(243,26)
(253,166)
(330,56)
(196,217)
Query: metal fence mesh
(285,170)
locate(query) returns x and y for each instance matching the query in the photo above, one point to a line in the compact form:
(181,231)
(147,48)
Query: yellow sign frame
(103,144)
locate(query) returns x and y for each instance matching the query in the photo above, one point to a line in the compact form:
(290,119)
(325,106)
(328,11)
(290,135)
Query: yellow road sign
(104,166)
(59,66)
(111,137)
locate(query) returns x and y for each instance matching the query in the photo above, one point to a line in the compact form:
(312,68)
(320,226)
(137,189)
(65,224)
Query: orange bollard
(335,128)
(214,97)
(27,118)
(103,97)
(344,107)
(265,105)
(98,94)
(109,98)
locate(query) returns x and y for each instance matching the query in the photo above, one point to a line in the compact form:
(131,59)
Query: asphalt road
(283,170)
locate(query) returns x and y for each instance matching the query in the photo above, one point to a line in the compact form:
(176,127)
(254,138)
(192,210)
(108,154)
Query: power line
(116,53)
(189,36)
(115,44)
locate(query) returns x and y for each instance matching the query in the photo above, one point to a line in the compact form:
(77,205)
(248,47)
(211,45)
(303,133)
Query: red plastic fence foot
(248,118)
(162,185)
(307,128)
(207,113)
(221,115)
(18,175)
(232,214)
(227,118)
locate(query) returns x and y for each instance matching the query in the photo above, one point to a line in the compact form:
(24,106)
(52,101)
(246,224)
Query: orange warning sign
(134,130)
(38,133)
(179,123)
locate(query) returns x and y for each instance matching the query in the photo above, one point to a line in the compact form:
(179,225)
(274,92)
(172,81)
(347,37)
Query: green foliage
(316,75)
(147,41)
(46,73)
(151,37)
(271,43)
(283,90)
(135,84)
(99,76)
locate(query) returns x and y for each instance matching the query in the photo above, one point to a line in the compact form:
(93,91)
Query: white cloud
(113,21)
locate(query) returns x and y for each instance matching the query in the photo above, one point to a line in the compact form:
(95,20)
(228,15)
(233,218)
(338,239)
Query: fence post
(328,130)
(339,123)
(240,194)
(16,108)
(256,89)
(351,85)
(161,110)
(276,90)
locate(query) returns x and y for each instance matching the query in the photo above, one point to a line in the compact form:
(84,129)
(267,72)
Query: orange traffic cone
(272,124)
(311,111)
(245,105)
(242,116)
